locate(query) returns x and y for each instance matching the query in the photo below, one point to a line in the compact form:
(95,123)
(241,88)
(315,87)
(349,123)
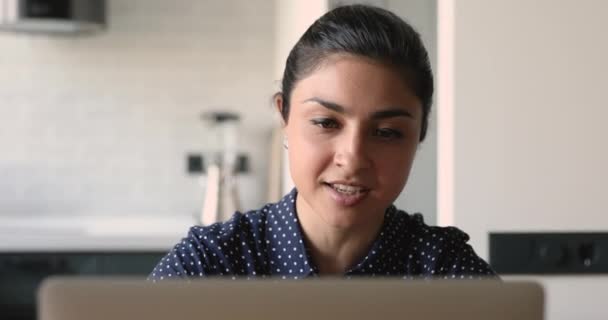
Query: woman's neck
(335,250)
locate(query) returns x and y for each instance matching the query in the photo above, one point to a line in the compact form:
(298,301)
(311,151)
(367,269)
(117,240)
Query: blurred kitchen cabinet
(22,273)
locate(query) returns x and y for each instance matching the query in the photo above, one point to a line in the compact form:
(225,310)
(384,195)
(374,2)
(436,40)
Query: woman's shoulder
(222,248)
(414,224)
(252,221)
(239,224)
(440,251)
(248,224)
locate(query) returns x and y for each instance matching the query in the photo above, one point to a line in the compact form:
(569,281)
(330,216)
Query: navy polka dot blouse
(269,243)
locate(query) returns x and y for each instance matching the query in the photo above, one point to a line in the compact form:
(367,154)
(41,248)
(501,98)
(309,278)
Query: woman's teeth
(342,188)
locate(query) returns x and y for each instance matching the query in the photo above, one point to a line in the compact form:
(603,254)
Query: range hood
(53,16)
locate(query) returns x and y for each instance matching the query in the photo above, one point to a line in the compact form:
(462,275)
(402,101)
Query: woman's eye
(388,134)
(325,123)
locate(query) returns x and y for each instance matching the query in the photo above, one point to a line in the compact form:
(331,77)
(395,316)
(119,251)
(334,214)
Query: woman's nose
(352,153)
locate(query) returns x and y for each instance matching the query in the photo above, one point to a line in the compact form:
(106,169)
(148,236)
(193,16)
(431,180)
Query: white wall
(530,84)
(529,112)
(102,124)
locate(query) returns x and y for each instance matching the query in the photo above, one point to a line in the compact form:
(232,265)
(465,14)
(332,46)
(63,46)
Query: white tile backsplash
(93,125)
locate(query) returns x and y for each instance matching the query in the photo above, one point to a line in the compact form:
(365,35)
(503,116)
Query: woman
(356,96)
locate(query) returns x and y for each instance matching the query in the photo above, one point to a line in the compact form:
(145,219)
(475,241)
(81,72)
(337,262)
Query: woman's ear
(278,104)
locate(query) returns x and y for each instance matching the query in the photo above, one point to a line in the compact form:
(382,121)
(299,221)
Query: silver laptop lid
(118,299)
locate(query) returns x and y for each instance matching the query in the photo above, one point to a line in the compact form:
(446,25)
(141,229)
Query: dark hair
(365,31)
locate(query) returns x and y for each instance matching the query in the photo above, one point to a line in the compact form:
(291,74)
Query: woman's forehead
(354,82)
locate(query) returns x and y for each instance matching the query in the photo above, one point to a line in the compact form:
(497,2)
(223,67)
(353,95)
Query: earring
(285,145)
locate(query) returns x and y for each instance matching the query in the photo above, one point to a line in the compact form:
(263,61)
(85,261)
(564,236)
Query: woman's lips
(348,195)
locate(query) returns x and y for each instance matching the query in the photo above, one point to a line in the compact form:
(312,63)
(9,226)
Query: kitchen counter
(92,233)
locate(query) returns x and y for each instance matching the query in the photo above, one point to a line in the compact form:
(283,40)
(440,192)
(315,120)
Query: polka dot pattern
(269,243)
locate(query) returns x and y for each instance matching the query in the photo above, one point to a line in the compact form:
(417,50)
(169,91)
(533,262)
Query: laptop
(319,299)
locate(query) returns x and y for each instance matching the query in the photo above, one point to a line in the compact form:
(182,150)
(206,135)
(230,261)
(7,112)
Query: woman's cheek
(394,165)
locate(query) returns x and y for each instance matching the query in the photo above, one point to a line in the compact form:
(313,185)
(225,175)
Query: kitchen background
(95,130)
(103,124)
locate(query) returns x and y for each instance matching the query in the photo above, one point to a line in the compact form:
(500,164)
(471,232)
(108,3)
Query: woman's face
(352,133)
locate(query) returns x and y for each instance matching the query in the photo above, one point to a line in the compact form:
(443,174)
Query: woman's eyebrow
(329,105)
(391,113)
(382,114)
